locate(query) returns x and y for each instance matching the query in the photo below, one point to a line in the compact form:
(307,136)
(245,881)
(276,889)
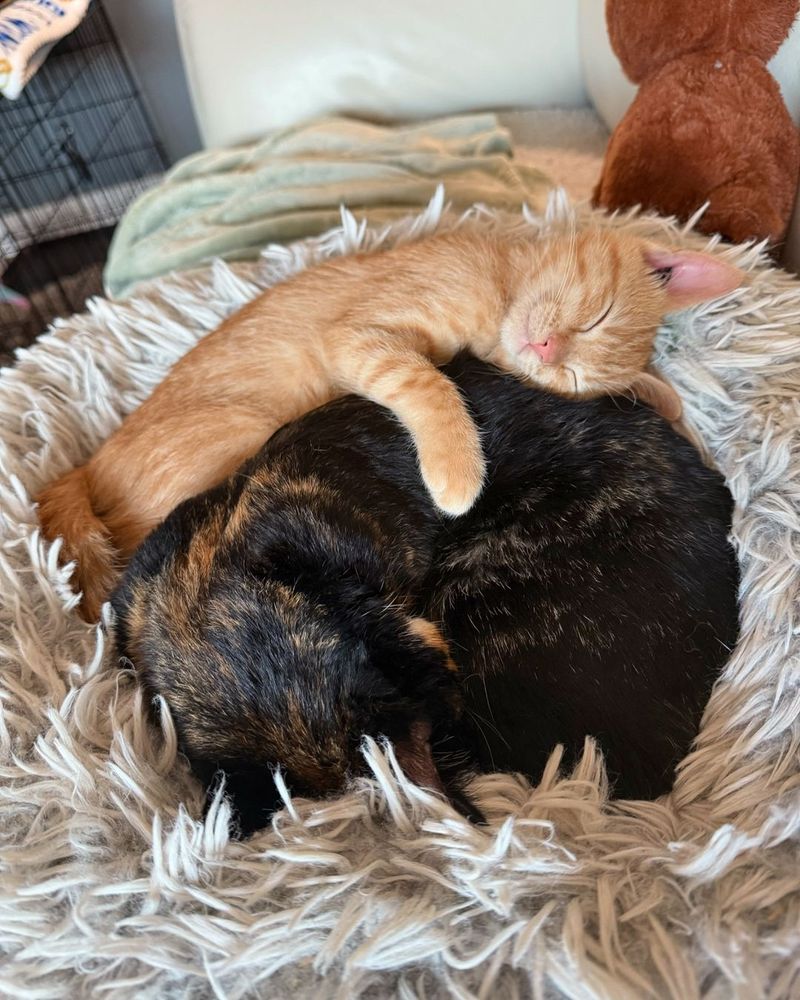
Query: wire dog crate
(75,148)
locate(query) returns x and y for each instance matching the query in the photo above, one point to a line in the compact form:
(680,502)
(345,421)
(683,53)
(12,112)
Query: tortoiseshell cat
(576,314)
(279,614)
(591,590)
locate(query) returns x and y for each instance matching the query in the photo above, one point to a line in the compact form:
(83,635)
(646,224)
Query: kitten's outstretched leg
(431,408)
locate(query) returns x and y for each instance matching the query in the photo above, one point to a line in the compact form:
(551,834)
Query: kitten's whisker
(476,716)
(574,377)
(485,740)
(626,390)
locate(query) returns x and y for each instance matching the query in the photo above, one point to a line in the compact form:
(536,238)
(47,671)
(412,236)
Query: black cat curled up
(303,603)
(592,589)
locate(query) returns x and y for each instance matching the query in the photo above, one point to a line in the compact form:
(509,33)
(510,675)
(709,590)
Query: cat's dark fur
(591,590)
(278,614)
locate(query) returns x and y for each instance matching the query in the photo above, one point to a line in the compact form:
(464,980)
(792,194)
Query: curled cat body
(575,313)
(319,595)
(278,614)
(591,591)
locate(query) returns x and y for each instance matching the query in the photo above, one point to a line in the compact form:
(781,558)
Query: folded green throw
(232,202)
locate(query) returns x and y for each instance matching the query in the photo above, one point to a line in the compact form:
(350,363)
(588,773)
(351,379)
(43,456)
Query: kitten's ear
(659,394)
(415,757)
(690,277)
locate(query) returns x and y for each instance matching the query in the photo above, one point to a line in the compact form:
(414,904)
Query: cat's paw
(454,477)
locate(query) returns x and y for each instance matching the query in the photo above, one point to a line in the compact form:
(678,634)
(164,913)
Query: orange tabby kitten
(576,314)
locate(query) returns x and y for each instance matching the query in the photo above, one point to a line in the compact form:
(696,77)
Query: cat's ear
(415,756)
(659,394)
(690,277)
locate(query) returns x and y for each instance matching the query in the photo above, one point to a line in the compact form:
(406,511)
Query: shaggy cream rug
(111,886)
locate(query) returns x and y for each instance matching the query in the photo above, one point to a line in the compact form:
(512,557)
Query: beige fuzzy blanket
(111,885)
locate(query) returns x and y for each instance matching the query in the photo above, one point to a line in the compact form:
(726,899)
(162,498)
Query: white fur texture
(111,886)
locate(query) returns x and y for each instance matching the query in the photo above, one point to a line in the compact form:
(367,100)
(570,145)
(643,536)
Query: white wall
(147,34)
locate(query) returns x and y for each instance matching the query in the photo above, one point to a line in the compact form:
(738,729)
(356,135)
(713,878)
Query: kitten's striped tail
(65,511)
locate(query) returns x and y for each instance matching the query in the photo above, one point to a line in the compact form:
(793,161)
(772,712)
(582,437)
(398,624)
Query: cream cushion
(259,66)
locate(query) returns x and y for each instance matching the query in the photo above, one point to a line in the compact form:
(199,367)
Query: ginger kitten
(575,314)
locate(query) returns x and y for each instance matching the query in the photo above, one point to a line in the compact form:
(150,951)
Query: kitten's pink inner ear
(415,757)
(692,277)
(659,394)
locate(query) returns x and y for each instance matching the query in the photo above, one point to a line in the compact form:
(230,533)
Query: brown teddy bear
(708,122)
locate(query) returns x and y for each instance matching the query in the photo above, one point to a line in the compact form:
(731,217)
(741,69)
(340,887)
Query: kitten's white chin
(554,378)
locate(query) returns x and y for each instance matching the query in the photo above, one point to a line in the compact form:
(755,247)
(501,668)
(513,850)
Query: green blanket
(232,202)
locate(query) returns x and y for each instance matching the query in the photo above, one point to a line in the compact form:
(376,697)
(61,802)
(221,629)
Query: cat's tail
(66,512)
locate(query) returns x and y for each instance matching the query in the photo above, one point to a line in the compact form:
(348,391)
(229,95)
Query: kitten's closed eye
(603,315)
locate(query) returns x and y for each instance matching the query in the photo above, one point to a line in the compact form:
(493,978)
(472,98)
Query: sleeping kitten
(576,314)
(591,590)
(278,614)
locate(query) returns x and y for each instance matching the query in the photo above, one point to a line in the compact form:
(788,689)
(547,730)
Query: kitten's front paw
(454,478)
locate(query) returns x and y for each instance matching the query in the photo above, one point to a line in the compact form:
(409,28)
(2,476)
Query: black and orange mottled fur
(591,590)
(279,615)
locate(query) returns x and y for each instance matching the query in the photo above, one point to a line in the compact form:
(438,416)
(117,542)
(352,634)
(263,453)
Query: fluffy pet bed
(111,886)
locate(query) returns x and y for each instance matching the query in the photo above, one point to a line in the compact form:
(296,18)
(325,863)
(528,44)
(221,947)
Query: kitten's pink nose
(548,350)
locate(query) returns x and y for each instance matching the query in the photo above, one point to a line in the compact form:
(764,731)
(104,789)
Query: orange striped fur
(376,325)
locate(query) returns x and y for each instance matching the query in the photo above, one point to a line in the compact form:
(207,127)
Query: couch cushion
(260,66)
